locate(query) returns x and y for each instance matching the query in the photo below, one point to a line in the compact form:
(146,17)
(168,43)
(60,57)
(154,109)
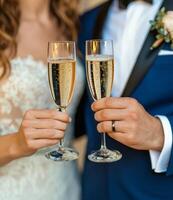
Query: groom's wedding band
(113,126)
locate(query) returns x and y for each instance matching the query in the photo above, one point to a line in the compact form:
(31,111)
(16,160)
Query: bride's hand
(39,129)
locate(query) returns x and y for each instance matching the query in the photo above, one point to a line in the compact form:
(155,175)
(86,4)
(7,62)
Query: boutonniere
(163,26)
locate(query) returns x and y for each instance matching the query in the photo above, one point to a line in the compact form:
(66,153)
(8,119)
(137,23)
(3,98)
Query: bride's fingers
(109,114)
(44,124)
(47,114)
(44,133)
(106,126)
(38,144)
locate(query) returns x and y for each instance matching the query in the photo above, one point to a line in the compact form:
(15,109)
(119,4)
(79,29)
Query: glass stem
(61,142)
(103,141)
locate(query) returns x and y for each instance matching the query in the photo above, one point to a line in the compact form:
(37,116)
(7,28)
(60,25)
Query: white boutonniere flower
(163,26)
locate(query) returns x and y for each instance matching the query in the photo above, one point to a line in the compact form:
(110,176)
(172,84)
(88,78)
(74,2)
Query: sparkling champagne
(61,74)
(100,75)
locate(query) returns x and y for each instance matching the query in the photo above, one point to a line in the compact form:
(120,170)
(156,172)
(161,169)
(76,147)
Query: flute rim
(99,40)
(62,41)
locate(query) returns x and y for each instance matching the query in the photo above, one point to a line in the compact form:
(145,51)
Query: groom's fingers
(106,127)
(111,114)
(120,137)
(111,102)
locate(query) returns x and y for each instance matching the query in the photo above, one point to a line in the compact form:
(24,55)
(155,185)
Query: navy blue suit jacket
(131,178)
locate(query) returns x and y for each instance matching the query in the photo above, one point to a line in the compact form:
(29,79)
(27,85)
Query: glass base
(62,154)
(105,156)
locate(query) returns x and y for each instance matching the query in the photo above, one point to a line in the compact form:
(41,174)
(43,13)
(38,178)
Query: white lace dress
(35,177)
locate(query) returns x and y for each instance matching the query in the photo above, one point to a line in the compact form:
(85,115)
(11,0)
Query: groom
(143,122)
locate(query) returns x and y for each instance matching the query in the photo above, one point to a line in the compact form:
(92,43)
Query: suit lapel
(145,59)
(101,20)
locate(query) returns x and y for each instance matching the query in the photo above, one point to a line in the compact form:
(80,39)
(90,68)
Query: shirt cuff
(160,160)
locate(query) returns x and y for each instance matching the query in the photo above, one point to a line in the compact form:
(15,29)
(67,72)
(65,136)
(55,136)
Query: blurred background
(89,4)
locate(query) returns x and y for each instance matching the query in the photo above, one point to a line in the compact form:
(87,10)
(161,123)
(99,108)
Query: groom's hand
(134,126)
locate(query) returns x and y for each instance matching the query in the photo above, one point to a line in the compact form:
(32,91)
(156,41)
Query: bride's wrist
(15,151)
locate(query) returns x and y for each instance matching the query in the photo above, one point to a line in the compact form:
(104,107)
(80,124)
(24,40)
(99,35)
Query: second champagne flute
(100,75)
(61,75)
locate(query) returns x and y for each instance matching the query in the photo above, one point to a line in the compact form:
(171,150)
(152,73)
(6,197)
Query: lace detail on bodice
(26,88)
(34,177)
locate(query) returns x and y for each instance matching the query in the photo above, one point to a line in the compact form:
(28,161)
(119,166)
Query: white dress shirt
(129,29)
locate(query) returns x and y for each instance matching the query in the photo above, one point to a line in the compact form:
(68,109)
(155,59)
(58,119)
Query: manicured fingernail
(92,106)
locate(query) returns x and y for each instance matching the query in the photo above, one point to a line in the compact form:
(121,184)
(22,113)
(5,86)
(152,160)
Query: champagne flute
(100,75)
(61,75)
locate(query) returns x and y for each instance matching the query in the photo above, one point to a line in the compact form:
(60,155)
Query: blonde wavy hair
(64,11)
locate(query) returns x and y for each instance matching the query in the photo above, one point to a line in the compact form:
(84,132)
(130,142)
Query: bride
(28,119)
